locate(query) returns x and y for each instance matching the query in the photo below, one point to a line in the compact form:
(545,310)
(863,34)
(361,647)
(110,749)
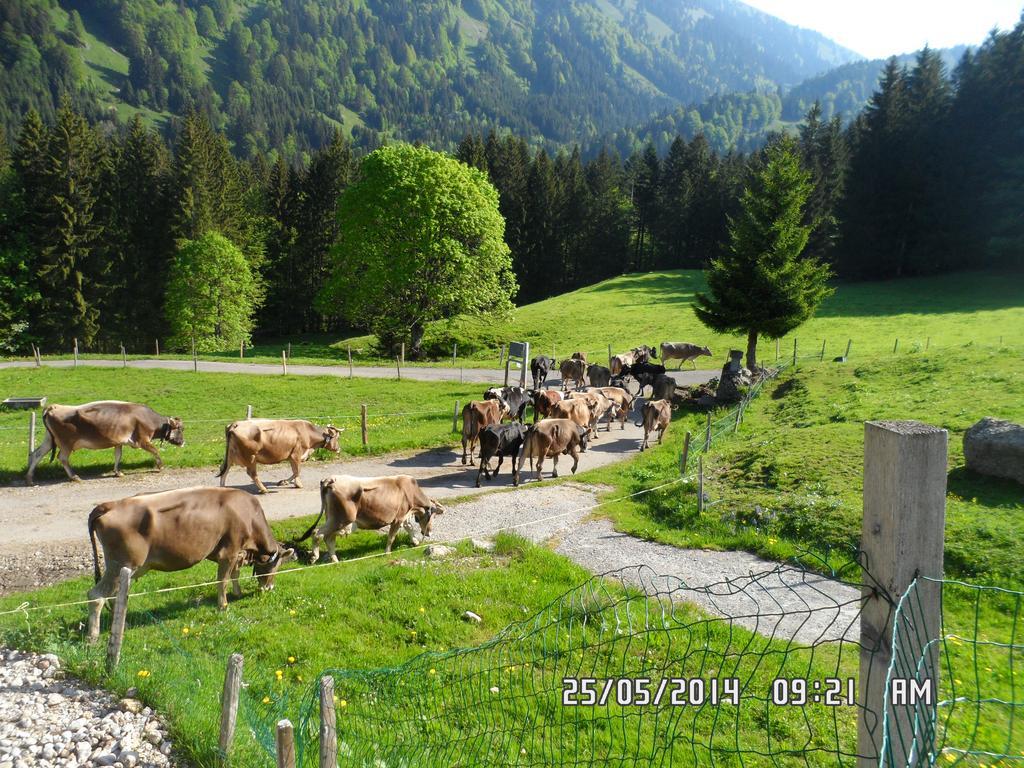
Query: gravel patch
(49,720)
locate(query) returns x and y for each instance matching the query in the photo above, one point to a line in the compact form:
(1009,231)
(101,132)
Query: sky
(881,28)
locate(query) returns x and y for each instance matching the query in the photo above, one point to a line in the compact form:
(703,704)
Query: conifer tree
(764,284)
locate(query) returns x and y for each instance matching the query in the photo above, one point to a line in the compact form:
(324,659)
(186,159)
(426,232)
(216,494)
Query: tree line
(94,219)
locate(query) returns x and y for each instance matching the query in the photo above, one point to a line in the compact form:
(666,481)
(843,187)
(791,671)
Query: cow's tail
(325,488)
(469,427)
(227,449)
(95,515)
(49,431)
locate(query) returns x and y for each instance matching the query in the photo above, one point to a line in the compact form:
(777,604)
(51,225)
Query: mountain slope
(286,74)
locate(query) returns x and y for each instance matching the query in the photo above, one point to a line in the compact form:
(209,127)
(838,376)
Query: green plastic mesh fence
(968,715)
(630,668)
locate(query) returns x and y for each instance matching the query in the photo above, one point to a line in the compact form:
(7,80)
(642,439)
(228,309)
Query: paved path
(417,373)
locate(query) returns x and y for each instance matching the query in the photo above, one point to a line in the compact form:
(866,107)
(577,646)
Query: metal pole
(229,702)
(686,454)
(328,724)
(285,744)
(455,417)
(362,424)
(124,581)
(902,540)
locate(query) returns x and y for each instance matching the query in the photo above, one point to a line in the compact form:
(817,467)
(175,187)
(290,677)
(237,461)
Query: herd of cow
(174,530)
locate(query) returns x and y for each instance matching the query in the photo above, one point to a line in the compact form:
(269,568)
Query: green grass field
(401,414)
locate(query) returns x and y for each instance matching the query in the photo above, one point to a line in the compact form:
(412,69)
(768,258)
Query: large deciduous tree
(763,283)
(420,239)
(212,295)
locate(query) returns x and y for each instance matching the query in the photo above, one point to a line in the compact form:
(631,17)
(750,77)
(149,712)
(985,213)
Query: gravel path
(48,720)
(418,373)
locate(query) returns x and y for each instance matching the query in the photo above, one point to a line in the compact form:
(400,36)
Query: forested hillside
(283,76)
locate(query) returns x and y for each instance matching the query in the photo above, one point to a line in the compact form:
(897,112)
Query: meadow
(401,414)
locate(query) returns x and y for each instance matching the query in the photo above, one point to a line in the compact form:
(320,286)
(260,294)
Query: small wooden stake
(124,580)
(39,355)
(229,702)
(284,363)
(707,434)
(398,366)
(822,355)
(350,361)
(896,345)
(248,412)
(285,744)
(455,417)
(686,453)
(794,353)
(328,724)
(849,344)
(31,434)
(700,484)
(362,420)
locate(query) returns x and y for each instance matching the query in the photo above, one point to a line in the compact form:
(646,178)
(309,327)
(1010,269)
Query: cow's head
(706,351)
(173,431)
(653,351)
(425,516)
(264,566)
(331,438)
(584,433)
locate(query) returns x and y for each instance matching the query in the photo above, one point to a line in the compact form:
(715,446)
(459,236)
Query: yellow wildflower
(184,630)
(266,699)
(291,659)
(143,673)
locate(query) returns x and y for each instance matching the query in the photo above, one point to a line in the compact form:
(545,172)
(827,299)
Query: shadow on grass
(988,491)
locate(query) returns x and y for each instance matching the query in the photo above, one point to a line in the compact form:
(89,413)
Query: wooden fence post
(700,484)
(398,366)
(455,417)
(684,460)
(822,355)
(229,702)
(285,744)
(707,434)
(241,350)
(284,363)
(776,350)
(350,361)
(849,343)
(156,344)
(31,434)
(902,540)
(248,412)
(39,354)
(76,353)
(403,356)
(328,724)
(195,358)
(124,357)
(124,580)
(362,424)
(609,357)
(794,353)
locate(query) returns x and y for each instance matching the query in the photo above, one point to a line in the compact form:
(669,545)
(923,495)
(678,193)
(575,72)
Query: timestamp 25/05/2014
(696,691)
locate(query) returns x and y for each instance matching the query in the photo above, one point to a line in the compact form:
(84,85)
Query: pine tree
(645,170)
(538,268)
(824,152)
(764,284)
(473,152)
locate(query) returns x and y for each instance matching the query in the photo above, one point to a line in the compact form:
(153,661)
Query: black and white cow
(514,398)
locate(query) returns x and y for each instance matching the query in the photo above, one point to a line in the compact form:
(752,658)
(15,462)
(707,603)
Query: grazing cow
(580,356)
(645,374)
(370,503)
(540,366)
(476,415)
(572,370)
(623,401)
(271,441)
(174,530)
(499,440)
(655,415)
(643,354)
(599,406)
(543,400)
(550,439)
(620,363)
(682,351)
(599,375)
(663,388)
(574,410)
(103,424)
(515,399)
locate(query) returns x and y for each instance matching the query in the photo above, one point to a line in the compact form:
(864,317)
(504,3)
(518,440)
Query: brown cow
(572,370)
(622,399)
(475,416)
(550,439)
(370,503)
(103,424)
(683,351)
(580,356)
(599,405)
(620,362)
(655,415)
(574,410)
(543,400)
(174,530)
(271,441)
